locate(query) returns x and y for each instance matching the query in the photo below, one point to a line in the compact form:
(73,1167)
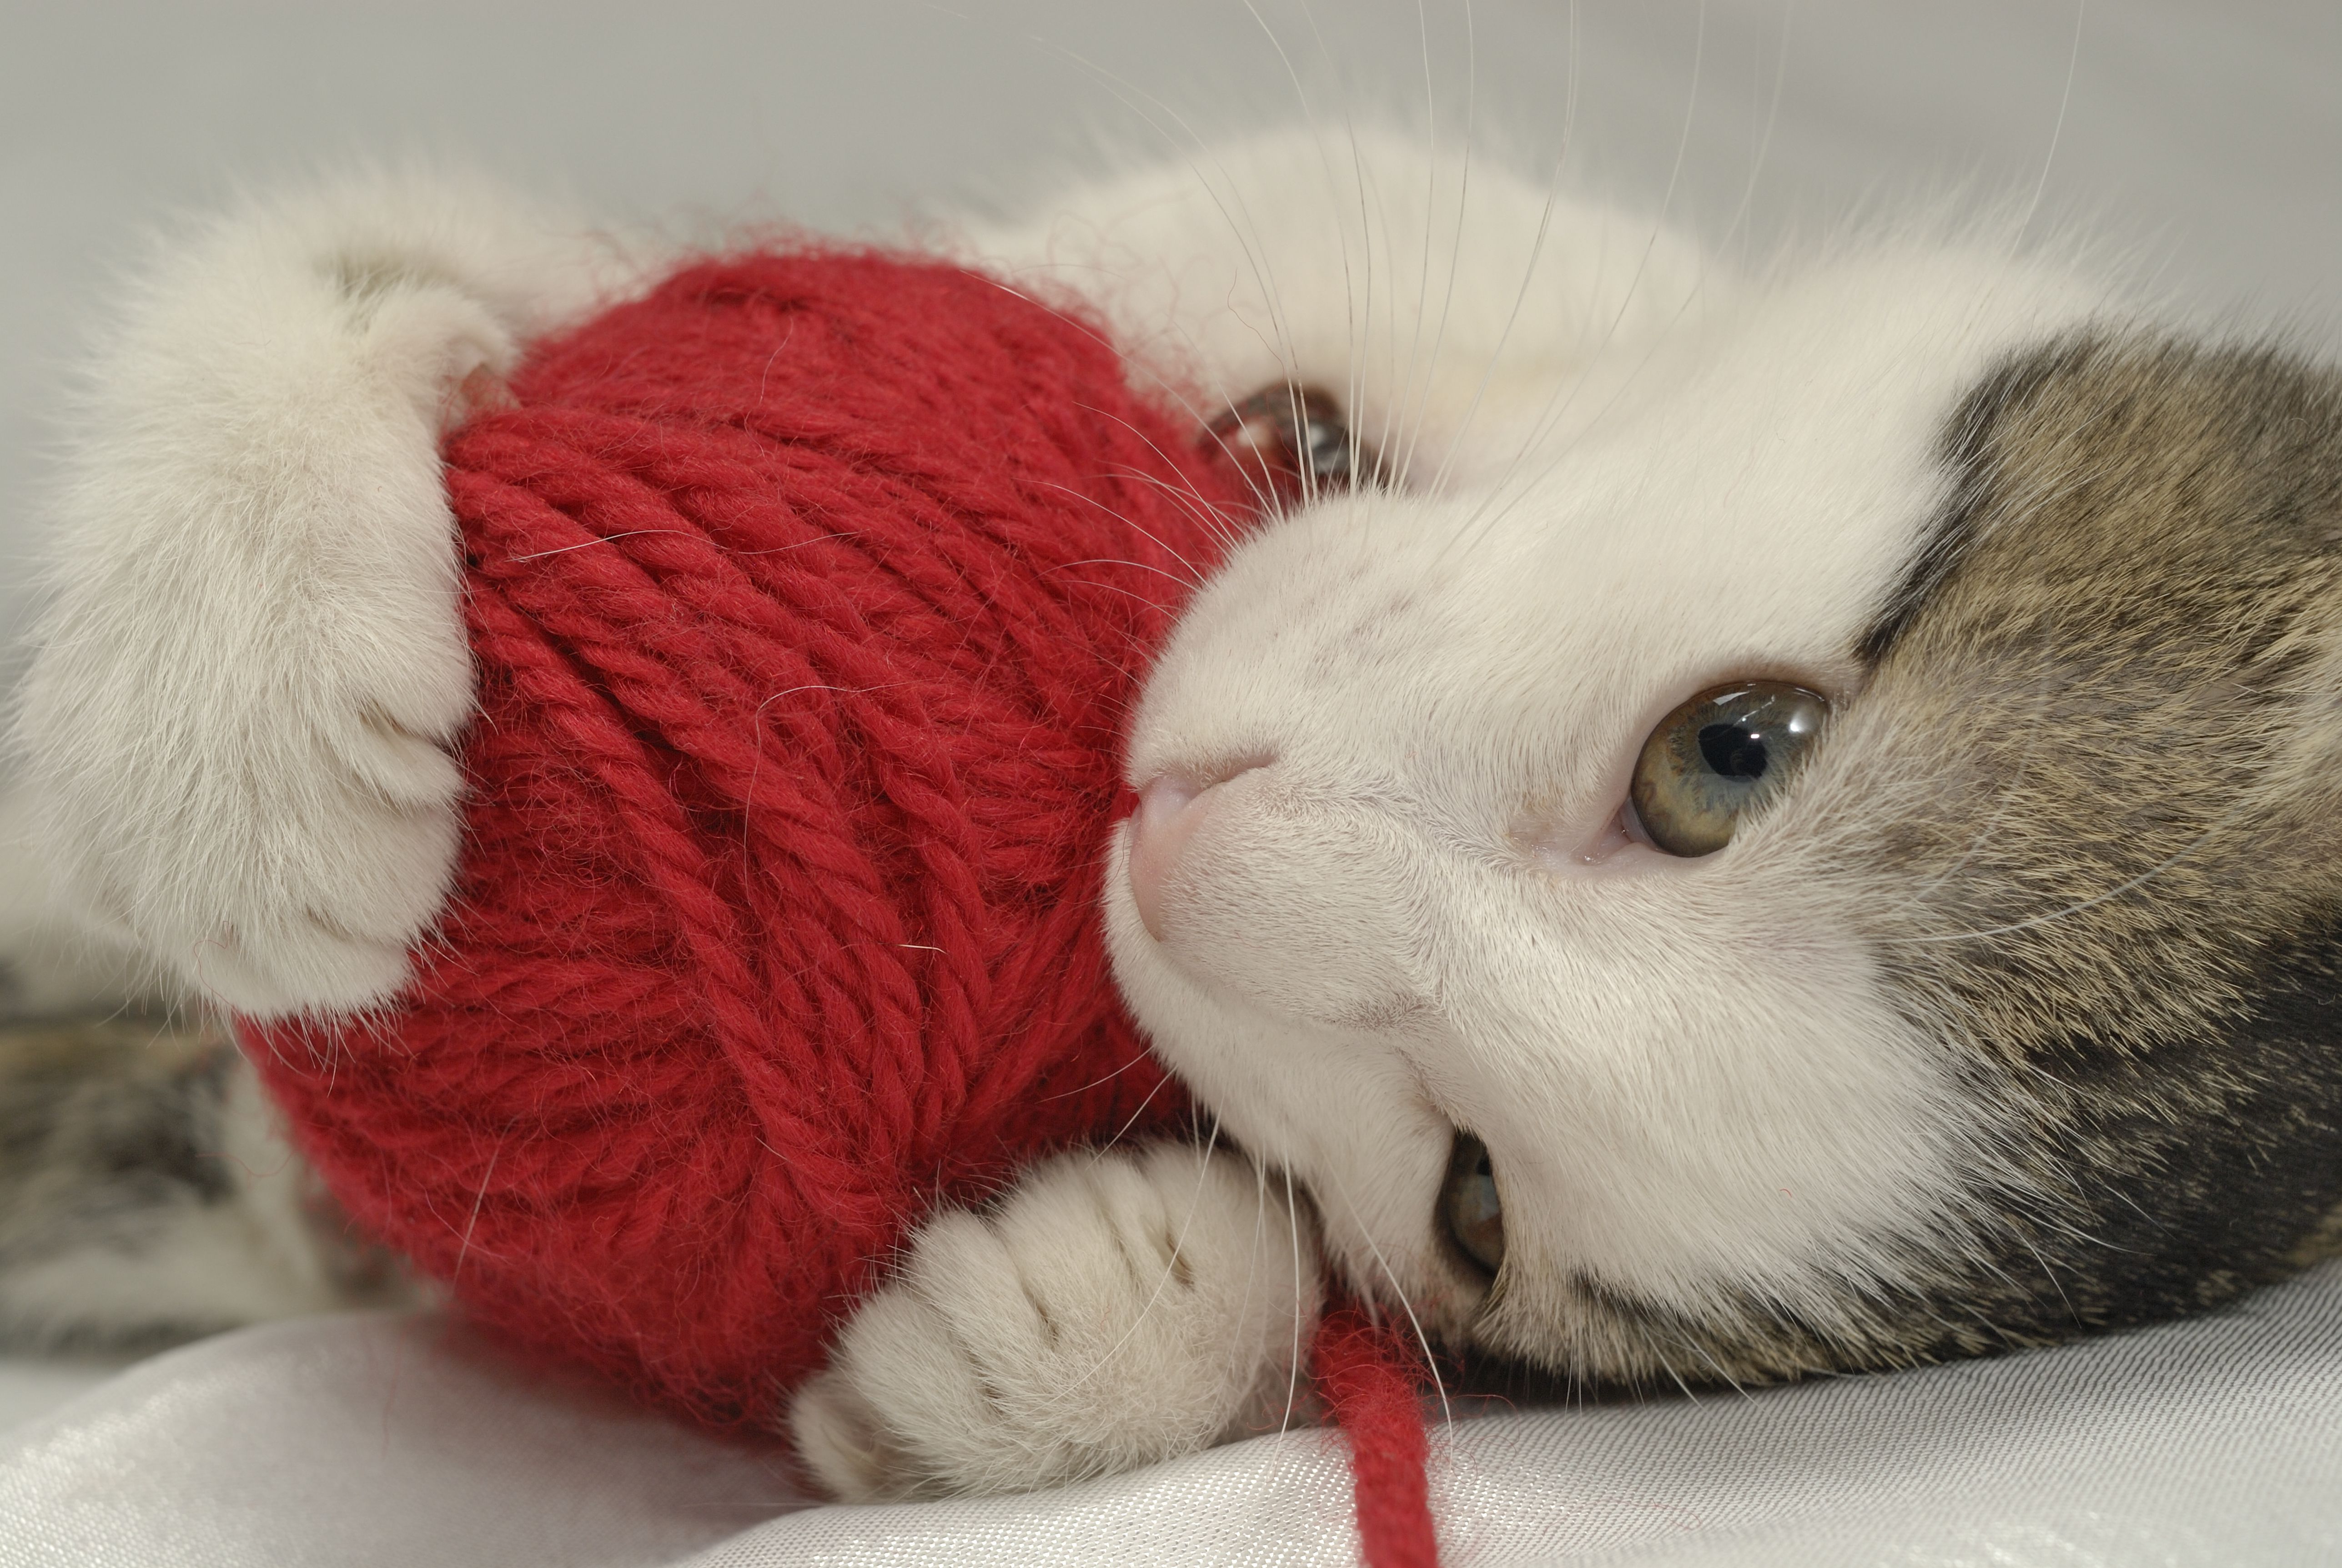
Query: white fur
(1624,476)
(1118,1309)
(52,964)
(1424,290)
(1624,473)
(252,664)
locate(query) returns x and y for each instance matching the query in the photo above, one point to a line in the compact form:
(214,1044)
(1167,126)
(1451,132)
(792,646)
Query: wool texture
(807,594)
(1370,1372)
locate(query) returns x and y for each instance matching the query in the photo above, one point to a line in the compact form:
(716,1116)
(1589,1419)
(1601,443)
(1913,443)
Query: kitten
(1742,825)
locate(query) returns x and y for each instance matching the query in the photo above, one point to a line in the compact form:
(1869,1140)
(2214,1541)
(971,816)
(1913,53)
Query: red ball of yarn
(807,594)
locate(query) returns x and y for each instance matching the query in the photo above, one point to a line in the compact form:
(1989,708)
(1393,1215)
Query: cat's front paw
(1114,1311)
(284,857)
(239,721)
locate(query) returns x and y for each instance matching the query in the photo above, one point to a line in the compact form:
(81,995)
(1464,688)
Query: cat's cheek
(1342,1115)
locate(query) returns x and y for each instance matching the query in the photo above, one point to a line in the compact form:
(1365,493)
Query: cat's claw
(1114,1311)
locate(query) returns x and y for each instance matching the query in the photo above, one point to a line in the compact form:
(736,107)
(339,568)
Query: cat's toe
(843,1443)
(337,886)
(282,859)
(340,950)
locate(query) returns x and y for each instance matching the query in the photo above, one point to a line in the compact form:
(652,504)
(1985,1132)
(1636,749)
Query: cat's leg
(235,727)
(1112,1311)
(148,1193)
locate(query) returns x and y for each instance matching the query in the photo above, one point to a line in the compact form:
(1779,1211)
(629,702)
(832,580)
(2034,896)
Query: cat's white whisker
(2056,128)
(1740,223)
(1292,1376)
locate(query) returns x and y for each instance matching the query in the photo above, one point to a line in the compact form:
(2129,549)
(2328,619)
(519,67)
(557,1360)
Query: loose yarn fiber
(808,595)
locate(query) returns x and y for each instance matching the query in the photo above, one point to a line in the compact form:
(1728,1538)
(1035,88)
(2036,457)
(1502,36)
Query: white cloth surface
(380,1441)
(32,1385)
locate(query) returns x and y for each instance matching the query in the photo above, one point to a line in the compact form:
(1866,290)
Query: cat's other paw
(239,726)
(1114,1311)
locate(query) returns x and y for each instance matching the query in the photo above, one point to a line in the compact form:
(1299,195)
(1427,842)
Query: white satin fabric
(385,1441)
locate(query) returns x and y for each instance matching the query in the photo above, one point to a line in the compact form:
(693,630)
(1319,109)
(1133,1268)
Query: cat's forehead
(1764,486)
(1747,504)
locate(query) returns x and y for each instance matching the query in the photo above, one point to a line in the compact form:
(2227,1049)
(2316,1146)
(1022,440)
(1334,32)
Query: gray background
(2206,135)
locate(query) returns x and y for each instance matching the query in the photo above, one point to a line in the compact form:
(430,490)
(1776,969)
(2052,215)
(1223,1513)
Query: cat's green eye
(1719,757)
(1469,1208)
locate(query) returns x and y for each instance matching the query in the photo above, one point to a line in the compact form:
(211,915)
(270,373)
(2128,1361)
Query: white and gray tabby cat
(1746,825)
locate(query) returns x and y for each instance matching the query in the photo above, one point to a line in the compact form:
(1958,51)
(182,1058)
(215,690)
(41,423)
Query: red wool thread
(1372,1374)
(808,595)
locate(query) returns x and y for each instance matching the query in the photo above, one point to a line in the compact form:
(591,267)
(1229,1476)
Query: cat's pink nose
(1169,808)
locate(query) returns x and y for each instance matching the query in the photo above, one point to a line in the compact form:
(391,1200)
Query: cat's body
(1992,1009)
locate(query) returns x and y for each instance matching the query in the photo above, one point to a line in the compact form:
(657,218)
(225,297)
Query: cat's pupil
(1733,751)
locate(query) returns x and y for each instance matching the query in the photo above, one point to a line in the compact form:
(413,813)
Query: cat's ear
(252,661)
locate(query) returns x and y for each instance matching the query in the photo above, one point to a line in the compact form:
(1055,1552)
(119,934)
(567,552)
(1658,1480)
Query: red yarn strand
(1372,1374)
